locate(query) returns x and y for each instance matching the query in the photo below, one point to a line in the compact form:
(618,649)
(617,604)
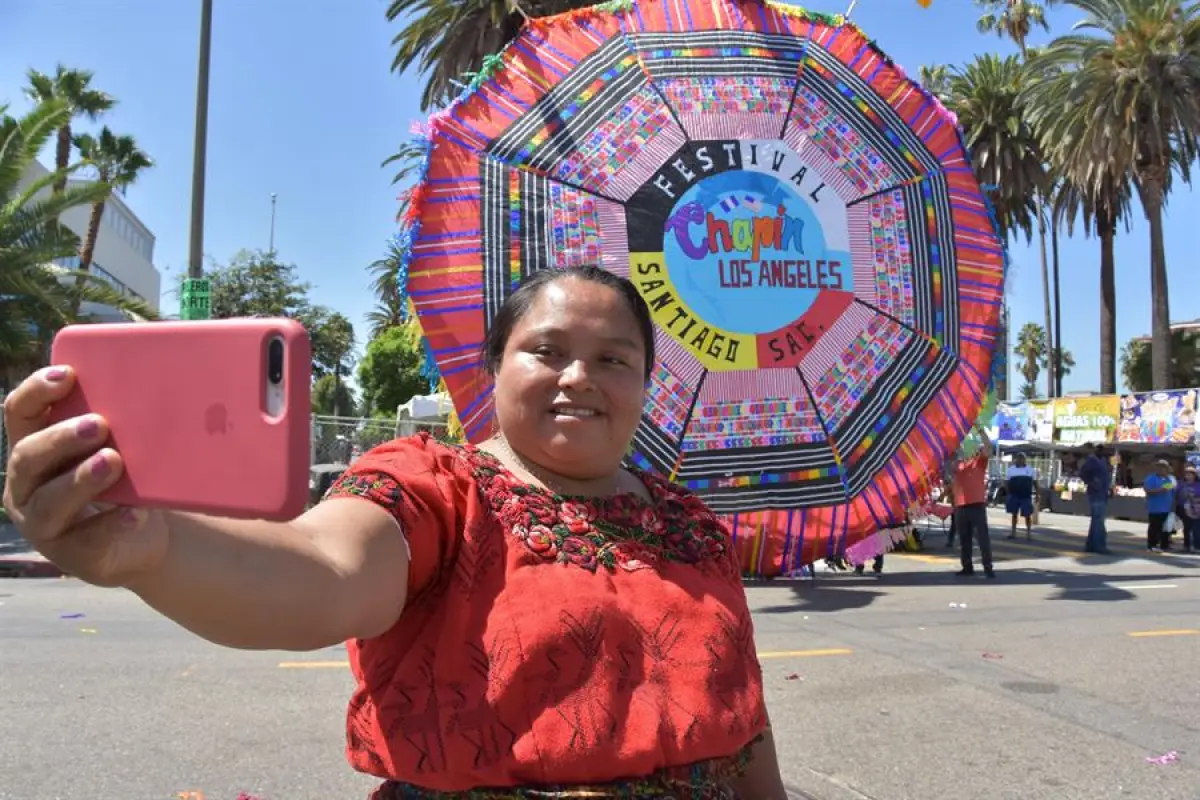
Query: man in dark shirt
(1096,474)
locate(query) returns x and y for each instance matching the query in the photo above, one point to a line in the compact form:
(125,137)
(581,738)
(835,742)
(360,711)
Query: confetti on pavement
(1164,759)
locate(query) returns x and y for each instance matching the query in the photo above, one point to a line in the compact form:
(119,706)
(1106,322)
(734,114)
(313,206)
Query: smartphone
(210,417)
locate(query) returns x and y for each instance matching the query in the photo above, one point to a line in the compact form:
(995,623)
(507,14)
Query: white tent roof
(429,407)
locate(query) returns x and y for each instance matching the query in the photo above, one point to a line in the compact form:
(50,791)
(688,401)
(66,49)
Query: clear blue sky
(303,104)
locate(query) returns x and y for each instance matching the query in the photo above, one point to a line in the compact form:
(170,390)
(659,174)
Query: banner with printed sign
(742,252)
(1011,423)
(1086,420)
(1040,424)
(1159,417)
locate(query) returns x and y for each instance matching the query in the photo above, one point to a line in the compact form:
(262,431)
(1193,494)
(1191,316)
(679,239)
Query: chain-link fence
(340,440)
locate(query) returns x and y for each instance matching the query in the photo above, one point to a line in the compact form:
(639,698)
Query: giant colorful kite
(801,217)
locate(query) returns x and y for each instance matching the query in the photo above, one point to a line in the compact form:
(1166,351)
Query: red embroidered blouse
(548,640)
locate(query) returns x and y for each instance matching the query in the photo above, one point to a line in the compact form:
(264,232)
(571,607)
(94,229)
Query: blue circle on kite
(747,253)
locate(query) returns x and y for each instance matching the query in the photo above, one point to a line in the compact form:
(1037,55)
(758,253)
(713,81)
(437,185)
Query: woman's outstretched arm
(338,572)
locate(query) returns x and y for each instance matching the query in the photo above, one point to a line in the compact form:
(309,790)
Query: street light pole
(271,249)
(195,295)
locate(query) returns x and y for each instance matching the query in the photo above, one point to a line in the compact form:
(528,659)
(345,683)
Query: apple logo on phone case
(216,419)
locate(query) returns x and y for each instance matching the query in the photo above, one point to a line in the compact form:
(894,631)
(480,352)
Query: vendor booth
(1137,429)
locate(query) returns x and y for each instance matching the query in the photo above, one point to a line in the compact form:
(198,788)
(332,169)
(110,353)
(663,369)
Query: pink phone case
(187,405)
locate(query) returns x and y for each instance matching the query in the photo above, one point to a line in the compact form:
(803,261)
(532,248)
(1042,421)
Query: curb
(22,566)
(809,784)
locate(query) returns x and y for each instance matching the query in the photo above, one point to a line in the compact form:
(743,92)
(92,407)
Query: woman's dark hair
(518,303)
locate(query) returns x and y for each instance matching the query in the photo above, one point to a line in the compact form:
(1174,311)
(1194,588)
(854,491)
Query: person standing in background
(969,489)
(1096,474)
(1189,510)
(947,496)
(1160,502)
(1021,481)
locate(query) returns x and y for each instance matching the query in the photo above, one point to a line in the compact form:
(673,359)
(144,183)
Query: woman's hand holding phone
(56,471)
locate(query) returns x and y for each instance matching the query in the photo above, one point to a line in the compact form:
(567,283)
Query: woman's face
(570,386)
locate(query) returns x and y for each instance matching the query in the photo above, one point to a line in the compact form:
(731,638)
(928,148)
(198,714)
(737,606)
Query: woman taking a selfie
(524,619)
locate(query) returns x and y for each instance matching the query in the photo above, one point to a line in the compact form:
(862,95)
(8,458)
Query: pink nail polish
(100,466)
(87,428)
(55,374)
(130,517)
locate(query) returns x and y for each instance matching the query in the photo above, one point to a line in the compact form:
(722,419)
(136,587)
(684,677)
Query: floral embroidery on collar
(622,530)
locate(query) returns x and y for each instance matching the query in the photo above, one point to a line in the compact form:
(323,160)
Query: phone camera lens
(275,361)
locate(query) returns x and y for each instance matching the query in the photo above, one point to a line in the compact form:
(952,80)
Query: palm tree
(1015,20)
(449,39)
(1031,350)
(1005,152)
(1133,78)
(1064,364)
(936,80)
(118,162)
(37,298)
(985,96)
(72,87)
(1096,190)
(389,311)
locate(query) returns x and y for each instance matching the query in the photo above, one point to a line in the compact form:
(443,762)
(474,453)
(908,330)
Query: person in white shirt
(1022,481)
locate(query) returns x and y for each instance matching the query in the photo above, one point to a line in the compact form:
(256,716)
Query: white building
(124,254)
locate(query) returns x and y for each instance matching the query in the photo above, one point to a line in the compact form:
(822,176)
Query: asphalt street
(1057,681)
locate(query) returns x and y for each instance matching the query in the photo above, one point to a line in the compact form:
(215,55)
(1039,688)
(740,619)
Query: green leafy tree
(37,298)
(333,398)
(332,337)
(72,88)
(390,371)
(1136,362)
(257,284)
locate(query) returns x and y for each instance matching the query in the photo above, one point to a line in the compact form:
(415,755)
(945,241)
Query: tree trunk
(1002,349)
(1047,298)
(1058,345)
(1106,228)
(1160,304)
(87,251)
(62,157)
(337,392)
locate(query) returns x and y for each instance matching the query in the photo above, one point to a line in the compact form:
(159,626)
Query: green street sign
(195,299)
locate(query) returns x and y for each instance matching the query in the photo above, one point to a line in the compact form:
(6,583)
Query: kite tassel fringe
(876,545)
(454,428)
(411,202)
(429,369)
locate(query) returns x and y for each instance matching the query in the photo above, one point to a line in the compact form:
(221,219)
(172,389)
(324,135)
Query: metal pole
(271,249)
(200,146)
(850,10)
